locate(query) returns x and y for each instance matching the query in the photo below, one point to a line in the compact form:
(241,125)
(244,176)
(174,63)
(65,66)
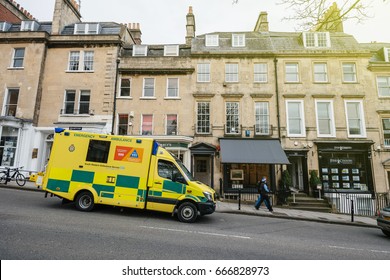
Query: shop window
(8,145)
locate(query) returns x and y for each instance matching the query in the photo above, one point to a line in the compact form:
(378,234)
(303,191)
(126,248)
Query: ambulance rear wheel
(187,212)
(84,201)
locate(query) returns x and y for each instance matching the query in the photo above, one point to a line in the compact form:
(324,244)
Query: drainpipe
(115,93)
(277,95)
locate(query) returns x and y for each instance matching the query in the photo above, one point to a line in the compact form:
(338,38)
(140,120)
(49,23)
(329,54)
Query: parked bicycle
(6,176)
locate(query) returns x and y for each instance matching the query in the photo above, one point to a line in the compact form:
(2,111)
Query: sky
(164,21)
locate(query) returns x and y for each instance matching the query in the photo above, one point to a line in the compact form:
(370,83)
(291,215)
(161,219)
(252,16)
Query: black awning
(252,151)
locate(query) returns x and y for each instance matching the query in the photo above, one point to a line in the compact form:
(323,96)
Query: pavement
(249,209)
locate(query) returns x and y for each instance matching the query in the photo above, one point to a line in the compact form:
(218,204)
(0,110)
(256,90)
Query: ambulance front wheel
(84,201)
(187,212)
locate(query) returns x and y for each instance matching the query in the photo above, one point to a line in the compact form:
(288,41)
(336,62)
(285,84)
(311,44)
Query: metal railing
(363,204)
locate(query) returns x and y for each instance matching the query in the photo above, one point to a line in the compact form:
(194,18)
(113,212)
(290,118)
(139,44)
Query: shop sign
(341,161)
(342,148)
(173,145)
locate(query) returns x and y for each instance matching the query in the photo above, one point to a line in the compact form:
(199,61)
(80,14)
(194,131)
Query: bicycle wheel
(20,179)
(3,177)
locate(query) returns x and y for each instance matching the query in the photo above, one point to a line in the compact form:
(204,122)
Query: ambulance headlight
(208,195)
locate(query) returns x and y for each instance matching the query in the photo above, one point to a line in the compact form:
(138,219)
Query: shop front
(245,161)
(346,175)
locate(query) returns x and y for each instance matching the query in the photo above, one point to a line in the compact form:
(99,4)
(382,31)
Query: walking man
(264,191)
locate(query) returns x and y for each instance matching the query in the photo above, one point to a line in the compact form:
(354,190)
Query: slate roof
(275,42)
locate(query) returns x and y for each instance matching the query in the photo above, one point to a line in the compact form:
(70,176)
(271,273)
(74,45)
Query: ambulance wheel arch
(187,211)
(84,201)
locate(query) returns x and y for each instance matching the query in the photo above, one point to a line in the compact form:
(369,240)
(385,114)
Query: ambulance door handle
(158,183)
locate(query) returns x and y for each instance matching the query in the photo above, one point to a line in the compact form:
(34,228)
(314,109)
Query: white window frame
(362,124)
(82,93)
(4,26)
(140,50)
(125,87)
(86,28)
(203,124)
(175,88)
(212,40)
(29,25)
(73,102)
(171,50)
(238,40)
(82,61)
(288,74)
(262,125)
(260,72)
(330,120)
(383,89)
(19,58)
(353,73)
(386,133)
(142,123)
(203,73)
(315,41)
(77,103)
(302,126)
(232,120)
(231,72)
(152,88)
(321,72)
(172,126)
(8,108)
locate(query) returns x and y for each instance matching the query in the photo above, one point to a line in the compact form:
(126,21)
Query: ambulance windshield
(185,170)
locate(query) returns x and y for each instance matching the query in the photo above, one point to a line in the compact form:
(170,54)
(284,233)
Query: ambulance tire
(187,212)
(84,201)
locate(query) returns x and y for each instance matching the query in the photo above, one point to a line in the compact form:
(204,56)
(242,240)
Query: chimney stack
(135,31)
(262,23)
(190,26)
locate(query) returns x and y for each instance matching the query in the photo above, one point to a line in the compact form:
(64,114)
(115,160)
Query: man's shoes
(257,208)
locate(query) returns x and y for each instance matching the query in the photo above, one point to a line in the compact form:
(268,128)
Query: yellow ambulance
(124,171)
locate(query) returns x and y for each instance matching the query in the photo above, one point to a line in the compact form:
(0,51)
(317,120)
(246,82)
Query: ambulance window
(168,170)
(98,151)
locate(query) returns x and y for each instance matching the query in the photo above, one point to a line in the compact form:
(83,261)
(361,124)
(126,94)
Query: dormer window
(212,40)
(386,52)
(4,26)
(86,28)
(238,40)
(316,39)
(140,50)
(29,25)
(171,50)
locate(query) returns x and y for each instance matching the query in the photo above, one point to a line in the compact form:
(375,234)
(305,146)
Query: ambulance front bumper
(206,208)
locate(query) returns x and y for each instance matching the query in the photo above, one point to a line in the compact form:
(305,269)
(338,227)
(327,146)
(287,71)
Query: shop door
(296,172)
(202,169)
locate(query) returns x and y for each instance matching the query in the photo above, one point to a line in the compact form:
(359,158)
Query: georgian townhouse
(59,74)
(23,43)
